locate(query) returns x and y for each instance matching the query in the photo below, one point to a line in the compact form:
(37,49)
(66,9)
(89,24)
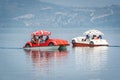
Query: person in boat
(87,37)
(34,39)
(95,37)
(47,37)
(40,39)
(99,37)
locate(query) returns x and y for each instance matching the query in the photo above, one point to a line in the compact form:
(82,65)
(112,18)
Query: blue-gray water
(80,63)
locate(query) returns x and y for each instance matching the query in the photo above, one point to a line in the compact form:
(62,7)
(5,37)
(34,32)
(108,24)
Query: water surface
(78,63)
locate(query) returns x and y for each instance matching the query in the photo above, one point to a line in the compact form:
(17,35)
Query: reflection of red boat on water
(37,42)
(42,57)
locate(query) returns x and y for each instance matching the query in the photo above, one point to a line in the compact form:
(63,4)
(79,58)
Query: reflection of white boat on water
(90,58)
(93,38)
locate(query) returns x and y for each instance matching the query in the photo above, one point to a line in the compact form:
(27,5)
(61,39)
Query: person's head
(40,37)
(94,35)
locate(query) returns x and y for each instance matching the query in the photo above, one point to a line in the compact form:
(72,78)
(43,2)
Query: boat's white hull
(90,42)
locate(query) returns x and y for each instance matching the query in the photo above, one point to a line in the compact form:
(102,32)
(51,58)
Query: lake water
(78,63)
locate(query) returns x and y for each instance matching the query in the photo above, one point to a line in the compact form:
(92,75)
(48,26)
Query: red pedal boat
(40,40)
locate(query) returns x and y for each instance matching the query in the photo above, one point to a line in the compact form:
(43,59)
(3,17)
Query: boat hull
(43,48)
(47,48)
(87,45)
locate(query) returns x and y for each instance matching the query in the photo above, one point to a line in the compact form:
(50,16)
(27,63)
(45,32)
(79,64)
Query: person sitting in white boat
(87,37)
(100,37)
(95,37)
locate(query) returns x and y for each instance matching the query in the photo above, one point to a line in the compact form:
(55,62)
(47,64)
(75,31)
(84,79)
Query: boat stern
(100,42)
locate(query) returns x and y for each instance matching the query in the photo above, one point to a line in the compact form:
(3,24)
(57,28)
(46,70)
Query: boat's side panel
(58,42)
(55,42)
(78,39)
